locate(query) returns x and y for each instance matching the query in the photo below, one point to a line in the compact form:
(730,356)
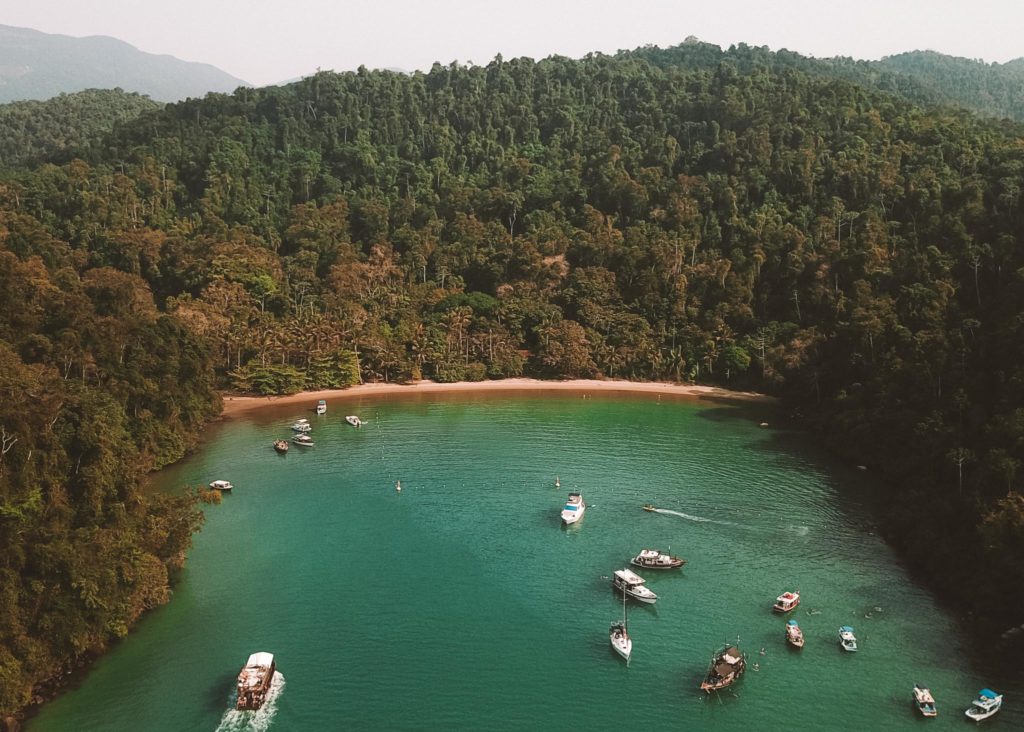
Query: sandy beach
(237,405)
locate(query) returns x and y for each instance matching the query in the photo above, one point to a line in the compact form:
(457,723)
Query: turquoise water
(461,603)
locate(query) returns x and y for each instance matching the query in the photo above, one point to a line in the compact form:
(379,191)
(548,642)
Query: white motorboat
(304,440)
(924,701)
(354,420)
(321,406)
(847,639)
(654,559)
(987,704)
(632,584)
(302,425)
(574,508)
(221,485)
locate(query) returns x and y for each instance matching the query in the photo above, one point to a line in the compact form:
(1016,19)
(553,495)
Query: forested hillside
(747,224)
(35,132)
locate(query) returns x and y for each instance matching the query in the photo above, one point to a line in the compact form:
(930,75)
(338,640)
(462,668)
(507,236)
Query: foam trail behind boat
(258,721)
(688,517)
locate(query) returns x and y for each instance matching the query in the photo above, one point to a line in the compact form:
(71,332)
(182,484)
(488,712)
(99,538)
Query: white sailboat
(618,635)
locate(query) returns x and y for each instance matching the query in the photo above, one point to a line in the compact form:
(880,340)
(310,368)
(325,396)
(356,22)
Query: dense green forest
(36,132)
(744,222)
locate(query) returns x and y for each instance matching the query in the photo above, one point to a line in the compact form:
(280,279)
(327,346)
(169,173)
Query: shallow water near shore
(461,603)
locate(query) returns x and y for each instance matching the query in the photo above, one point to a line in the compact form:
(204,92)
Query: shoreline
(236,405)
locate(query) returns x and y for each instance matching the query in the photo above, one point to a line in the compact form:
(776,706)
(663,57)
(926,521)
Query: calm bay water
(461,603)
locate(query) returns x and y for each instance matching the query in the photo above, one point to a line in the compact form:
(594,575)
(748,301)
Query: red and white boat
(786,601)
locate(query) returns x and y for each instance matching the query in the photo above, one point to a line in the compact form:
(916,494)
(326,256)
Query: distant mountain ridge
(36,65)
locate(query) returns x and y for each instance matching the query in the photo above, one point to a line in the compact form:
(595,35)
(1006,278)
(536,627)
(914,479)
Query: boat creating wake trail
(259,720)
(699,519)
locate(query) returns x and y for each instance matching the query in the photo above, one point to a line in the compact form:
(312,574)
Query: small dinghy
(354,420)
(649,507)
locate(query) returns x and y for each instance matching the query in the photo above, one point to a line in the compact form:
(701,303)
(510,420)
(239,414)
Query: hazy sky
(266,41)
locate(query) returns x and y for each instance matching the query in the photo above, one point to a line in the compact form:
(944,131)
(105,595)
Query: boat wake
(258,721)
(698,519)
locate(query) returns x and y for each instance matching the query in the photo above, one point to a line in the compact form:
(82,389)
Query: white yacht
(302,425)
(354,420)
(321,406)
(924,701)
(574,508)
(847,639)
(221,485)
(987,704)
(632,584)
(303,440)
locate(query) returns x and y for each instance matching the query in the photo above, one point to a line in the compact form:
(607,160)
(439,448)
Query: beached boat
(221,485)
(302,425)
(618,635)
(354,420)
(632,584)
(847,639)
(254,681)
(786,602)
(725,670)
(987,704)
(281,446)
(924,701)
(304,440)
(649,507)
(794,636)
(654,559)
(574,508)
(321,406)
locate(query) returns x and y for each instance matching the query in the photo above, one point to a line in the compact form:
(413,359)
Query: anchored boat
(254,681)
(794,636)
(303,440)
(321,406)
(725,670)
(924,701)
(354,420)
(847,639)
(654,559)
(618,635)
(632,584)
(302,425)
(221,485)
(987,704)
(281,446)
(574,508)
(786,602)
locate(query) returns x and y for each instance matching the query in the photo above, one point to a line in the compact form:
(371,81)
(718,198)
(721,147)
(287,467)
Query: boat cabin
(786,601)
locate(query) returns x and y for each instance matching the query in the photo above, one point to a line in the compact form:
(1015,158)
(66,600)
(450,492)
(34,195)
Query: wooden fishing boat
(254,681)
(727,666)
(281,446)
(654,559)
